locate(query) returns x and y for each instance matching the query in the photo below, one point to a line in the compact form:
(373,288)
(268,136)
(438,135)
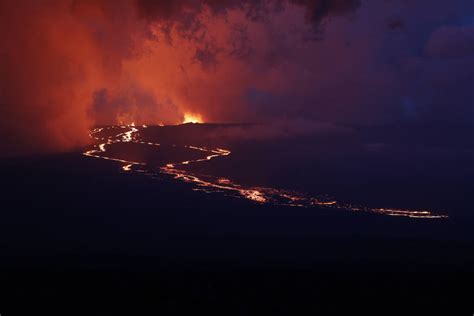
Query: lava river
(107,136)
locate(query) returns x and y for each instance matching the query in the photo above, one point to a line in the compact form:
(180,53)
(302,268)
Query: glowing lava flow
(211,184)
(100,149)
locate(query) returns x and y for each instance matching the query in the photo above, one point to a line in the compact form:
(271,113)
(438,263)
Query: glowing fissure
(100,149)
(192,118)
(212,184)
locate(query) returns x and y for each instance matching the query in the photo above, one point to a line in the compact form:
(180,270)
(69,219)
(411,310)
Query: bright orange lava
(192,118)
(211,184)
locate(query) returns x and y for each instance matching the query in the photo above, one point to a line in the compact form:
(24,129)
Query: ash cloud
(184,12)
(67,65)
(54,55)
(132,105)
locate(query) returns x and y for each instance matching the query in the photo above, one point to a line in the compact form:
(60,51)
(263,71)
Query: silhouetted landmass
(78,236)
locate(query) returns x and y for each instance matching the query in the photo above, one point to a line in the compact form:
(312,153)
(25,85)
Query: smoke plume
(67,65)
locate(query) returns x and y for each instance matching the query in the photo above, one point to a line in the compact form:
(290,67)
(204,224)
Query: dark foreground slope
(79,237)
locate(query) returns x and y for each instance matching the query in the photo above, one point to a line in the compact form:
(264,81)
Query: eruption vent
(192,118)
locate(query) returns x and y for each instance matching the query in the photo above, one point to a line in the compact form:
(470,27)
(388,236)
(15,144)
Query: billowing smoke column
(67,65)
(54,55)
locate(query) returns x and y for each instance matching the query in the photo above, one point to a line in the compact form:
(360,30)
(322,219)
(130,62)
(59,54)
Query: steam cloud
(67,65)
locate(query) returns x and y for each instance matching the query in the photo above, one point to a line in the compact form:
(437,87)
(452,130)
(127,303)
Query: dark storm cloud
(317,10)
(185,11)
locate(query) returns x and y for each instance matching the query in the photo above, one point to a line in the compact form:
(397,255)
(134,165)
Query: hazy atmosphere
(236,157)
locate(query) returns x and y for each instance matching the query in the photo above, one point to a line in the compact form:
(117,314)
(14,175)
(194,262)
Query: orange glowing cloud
(68,65)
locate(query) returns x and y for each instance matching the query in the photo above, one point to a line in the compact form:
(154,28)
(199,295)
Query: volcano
(175,204)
